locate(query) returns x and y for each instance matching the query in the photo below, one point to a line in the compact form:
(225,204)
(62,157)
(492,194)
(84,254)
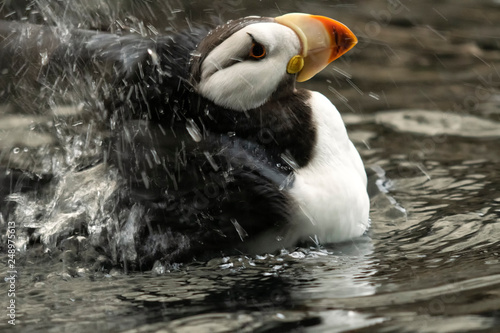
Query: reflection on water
(430,262)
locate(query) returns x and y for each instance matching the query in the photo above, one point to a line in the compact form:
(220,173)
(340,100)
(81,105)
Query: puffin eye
(258,51)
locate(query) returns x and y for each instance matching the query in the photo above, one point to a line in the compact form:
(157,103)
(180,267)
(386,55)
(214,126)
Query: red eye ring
(258,51)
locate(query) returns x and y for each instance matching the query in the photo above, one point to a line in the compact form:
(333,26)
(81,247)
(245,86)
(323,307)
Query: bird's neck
(283,125)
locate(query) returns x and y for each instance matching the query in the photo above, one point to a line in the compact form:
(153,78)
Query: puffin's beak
(323,40)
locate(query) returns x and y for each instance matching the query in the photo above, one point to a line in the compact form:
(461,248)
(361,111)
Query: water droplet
(155,156)
(196,54)
(145,179)
(211,161)
(16,150)
(226,266)
(288,159)
(154,57)
(45,58)
(193,130)
(297,255)
(239,229)
(287,182)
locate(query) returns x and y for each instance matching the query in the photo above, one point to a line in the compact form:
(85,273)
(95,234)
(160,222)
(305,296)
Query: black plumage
(197,179)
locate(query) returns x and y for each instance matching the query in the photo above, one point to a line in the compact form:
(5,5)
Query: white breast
(330,190)
(331,200)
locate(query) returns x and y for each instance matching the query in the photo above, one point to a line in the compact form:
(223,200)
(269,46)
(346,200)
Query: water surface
(420,96)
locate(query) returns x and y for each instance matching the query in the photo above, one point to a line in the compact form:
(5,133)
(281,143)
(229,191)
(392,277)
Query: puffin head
(241,64)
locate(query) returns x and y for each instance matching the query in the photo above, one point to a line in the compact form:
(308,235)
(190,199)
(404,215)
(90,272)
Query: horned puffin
(218,150)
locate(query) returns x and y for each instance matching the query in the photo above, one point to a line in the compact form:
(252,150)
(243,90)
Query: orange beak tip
(323,40)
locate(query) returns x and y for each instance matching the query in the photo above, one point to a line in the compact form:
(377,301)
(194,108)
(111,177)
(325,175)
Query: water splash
(80,202)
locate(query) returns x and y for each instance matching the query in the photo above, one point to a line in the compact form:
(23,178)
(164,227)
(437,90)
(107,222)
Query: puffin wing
(187,190)
(199,198)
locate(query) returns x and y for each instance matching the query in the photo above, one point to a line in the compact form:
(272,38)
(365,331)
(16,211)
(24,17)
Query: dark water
(420,95)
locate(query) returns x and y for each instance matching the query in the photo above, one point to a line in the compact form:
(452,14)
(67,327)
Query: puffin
(218,150)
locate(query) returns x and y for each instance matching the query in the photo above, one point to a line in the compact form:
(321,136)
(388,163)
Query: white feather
(331,189)
(332,203)
(250,83)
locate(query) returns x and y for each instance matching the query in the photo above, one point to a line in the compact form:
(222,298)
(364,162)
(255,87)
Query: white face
(231,78)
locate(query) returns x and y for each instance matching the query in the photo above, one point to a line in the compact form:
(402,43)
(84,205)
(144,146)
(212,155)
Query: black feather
(198,179)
